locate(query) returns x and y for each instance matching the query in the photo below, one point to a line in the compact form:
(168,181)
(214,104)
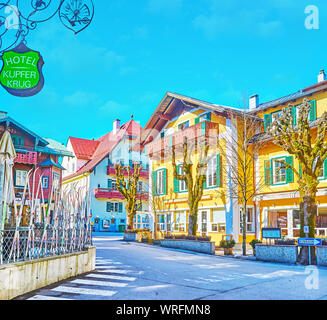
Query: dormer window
(183,125)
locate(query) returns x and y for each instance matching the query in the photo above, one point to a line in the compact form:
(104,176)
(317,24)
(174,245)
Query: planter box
(322,256)
(132,236)
(284,254)
(192,245)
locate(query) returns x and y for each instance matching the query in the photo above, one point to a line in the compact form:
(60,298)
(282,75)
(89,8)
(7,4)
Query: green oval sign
(21,73)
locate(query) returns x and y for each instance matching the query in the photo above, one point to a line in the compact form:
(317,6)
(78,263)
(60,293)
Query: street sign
(310,242)
(271,233)
(306,229)
(21,73)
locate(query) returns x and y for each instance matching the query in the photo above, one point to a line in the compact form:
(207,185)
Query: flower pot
(228,251)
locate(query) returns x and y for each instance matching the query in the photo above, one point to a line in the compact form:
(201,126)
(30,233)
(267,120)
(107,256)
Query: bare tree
(306,141)
(194,184)
(240,151)
(129,189)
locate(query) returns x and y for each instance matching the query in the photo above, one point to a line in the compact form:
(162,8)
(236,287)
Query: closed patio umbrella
(7,156)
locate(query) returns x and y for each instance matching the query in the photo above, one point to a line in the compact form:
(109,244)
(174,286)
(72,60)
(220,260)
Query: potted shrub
(228,246)
(253,243)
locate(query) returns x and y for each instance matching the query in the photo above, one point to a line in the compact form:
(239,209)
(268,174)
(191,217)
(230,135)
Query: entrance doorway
(204,214)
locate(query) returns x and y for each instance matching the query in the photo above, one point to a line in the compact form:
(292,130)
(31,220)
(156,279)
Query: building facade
(92,169)
(40,156)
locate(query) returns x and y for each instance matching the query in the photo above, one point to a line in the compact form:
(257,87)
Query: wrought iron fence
(35,242)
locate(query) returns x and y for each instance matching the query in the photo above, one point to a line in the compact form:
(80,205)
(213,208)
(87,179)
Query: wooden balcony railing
(105,193)
(28,157)
(205,129)
(143,173)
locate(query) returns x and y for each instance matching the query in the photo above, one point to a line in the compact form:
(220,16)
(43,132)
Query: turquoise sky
(135,50)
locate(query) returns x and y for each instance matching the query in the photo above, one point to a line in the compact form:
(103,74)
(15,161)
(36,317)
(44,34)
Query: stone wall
(19,278)
(192,245)
(322,256)
(284,254)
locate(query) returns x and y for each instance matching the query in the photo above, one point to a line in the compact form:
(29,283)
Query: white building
(92,169)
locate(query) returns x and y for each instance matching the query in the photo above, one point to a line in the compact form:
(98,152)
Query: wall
(20,278)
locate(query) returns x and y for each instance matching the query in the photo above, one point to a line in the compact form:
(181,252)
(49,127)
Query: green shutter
(164,181)
(120,207)
(289,172)
(268,173)
(208,117)
(300,171)
(162,134)
(294,115)
(203,128)
(154,183)
(313,111)
(267,121)
(176,185)
(325,169)
(197,120)
(218,170)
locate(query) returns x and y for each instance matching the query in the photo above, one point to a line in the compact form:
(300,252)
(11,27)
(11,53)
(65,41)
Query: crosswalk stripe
(107,276)
(116,271)
(41,297)
(99,283)
(97,292)
(104,263)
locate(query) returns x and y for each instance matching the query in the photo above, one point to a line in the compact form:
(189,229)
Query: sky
(134,51)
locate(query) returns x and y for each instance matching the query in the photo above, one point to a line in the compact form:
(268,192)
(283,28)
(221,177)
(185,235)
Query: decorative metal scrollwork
(19,17)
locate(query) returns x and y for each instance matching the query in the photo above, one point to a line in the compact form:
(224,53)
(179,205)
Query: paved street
(136,271)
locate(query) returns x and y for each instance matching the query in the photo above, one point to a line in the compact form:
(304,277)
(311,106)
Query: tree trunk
(308,210)
(129,223)
(244,232)
(192,224)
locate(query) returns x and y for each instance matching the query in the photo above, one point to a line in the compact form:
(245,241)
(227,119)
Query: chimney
(116,126)
(3,114)
(253,102)
(321,76)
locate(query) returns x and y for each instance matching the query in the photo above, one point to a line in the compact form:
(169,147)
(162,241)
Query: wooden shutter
(154,183)
(294,115)
(289,172)
(109,184)
(164,181)
(268,172)
(313,111)
(208,116)
(218,171)
(267,121)
(197,120)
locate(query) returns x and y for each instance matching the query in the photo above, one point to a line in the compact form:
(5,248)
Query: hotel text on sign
(21,73)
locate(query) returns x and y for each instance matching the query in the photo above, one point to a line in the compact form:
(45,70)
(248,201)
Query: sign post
(21,73)
(309,242)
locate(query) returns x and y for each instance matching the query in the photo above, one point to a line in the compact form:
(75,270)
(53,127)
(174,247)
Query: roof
(58,147)
(292,97)
(169,107)
(17,124)
(106,144)
(83,148)
(48,163)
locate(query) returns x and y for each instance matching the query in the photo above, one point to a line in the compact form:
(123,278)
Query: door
(204,222)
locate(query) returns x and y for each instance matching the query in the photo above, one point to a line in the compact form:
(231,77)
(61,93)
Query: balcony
(105,193)
(143,173)
(28,157)
(195,134)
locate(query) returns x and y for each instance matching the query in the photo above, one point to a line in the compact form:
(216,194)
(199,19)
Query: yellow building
(178,117)
(278,198)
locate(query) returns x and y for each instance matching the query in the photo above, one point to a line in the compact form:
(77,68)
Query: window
(140,186)
(279,171)
(18,141)
(114,207)
(161,222)
(203,117)
(182,183)
(20,177)
(218,221)
(211,175)
(183,125)
(159,182)
(56,180)
(250,223)
(45,182)
(112,184)
(180,222)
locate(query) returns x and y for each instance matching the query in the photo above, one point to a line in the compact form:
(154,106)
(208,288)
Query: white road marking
(40,297)
(106,276)
(99,283)
(97,292)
